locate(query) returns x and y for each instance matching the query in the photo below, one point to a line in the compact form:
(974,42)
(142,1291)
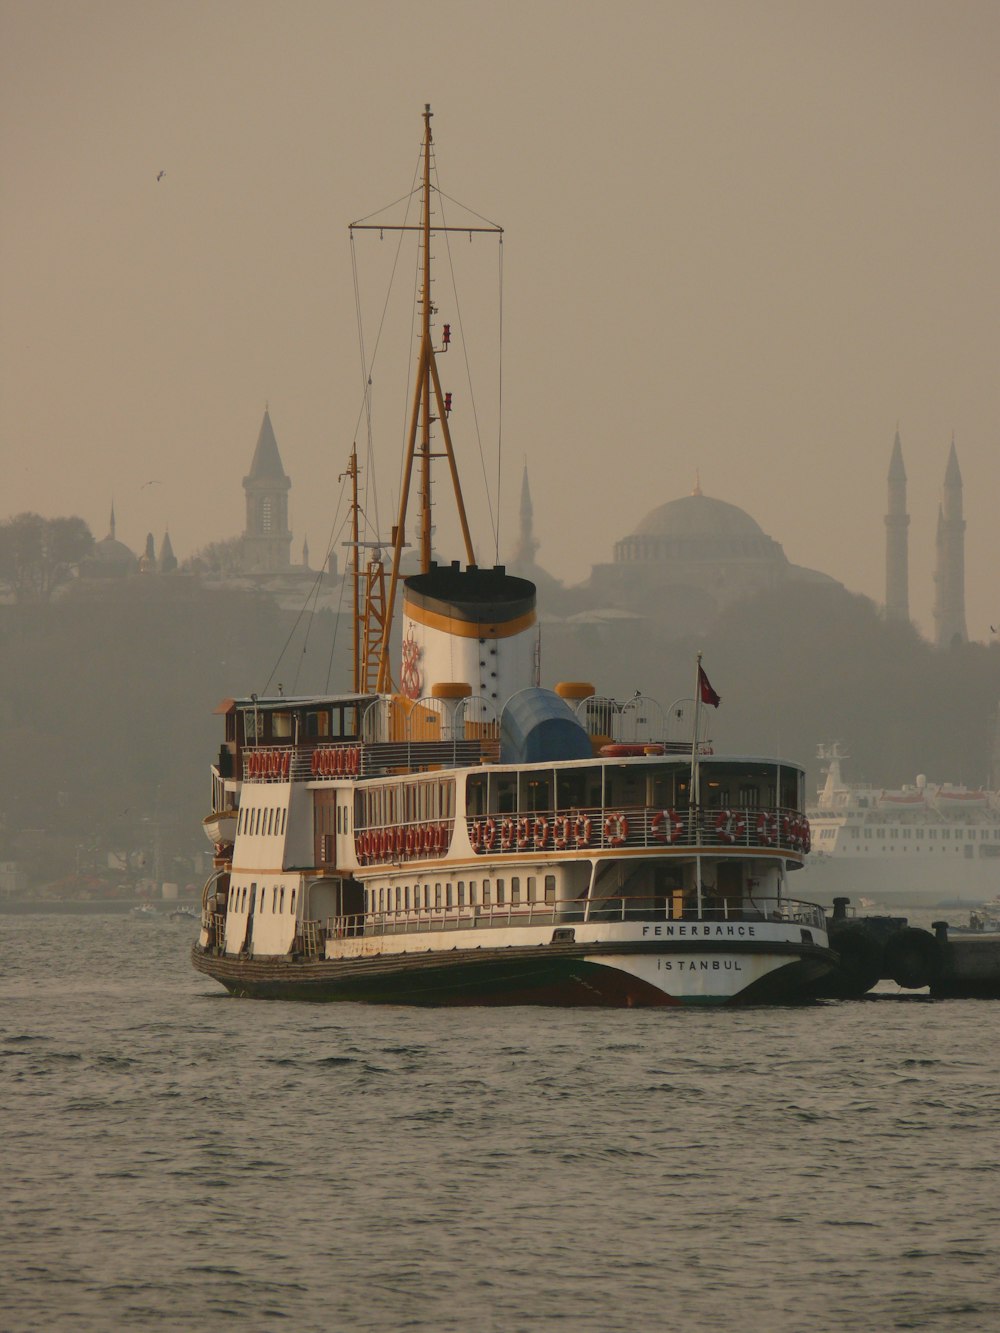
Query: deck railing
(596,829)
(630,908)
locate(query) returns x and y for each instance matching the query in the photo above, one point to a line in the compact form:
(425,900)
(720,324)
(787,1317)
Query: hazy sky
(747,238)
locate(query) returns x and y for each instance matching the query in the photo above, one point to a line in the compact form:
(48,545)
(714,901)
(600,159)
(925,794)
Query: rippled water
(177,1159)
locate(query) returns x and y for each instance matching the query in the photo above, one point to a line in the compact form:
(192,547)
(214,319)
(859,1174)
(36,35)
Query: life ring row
(268,763)
(731,826)
(345,760)
(388,844)
(510,833)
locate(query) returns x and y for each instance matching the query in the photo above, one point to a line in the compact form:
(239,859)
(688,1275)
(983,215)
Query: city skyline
(745,243)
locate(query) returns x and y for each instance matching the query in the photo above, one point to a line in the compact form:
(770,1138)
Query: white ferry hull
(633,970)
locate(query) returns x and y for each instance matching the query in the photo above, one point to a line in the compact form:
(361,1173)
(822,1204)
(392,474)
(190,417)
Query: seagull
(154,482)
(161,175)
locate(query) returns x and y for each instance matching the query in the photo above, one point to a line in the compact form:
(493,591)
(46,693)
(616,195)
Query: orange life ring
(427,839)
(506,834)
(674,826)
(541,833)
(286,764)
(408,840)
(582,827)
(560,832)
(523,832)
(490,834)
(616,829)
(730,825)
(767,827)
(475,835)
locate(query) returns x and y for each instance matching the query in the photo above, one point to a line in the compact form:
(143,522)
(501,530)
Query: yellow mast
(428,408)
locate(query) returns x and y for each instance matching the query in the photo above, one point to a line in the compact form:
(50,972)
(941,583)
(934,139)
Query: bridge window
(550,888)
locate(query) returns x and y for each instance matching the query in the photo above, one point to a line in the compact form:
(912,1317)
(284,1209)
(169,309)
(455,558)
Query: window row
(239,897)
(442,896)
(260,821)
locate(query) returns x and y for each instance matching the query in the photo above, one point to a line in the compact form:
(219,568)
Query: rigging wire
(494,522)
(312,593)
(499,394)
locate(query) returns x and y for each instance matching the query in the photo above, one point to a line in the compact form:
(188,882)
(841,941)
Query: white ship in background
(922,845)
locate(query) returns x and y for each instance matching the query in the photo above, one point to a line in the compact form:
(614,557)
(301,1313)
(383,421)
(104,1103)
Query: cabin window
(317,724)
(243,902)
(406,897)
(515,890)
(487,893)
(282,907)
(427,897)
(537,792)
(284,817)
(748,796)
(500,893)
(291,907)
(472,893)
(531,889)
(447,895)
(461,893)
(506,789)
(381,900)
(475,796)
(437,895)
(571,789)
(550,888)
(250,724)
(281,725)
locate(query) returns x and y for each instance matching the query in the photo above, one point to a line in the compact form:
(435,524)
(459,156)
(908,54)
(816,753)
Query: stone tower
(949,573)
(267,541)
(897,521)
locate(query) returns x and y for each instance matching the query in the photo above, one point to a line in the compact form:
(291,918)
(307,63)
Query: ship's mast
(429,408)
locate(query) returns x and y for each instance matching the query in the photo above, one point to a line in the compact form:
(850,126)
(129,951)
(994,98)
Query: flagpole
(695,803)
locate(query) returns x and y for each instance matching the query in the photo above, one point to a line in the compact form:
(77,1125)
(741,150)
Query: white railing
(787,911)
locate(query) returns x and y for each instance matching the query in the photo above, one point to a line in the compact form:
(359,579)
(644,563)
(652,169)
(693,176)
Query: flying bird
(154,482)
(161,175)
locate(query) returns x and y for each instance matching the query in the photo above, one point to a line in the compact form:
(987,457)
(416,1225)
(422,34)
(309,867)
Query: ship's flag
(705,691)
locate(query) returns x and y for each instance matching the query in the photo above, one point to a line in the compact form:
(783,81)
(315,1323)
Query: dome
(698,529)
(110,551)
(694,516)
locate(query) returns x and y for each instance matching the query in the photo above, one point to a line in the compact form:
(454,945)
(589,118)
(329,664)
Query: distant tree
(225,557)
(38,553)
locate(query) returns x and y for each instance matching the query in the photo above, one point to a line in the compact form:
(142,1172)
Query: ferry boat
(922,845)
(466,836)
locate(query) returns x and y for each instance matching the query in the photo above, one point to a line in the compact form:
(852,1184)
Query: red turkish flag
(708,695)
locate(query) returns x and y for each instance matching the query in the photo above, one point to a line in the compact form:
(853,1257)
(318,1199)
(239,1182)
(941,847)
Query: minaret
(949,575)
(897,520)
(305,552)
(267,541)
(111,525)
(527,543)
(168,561)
